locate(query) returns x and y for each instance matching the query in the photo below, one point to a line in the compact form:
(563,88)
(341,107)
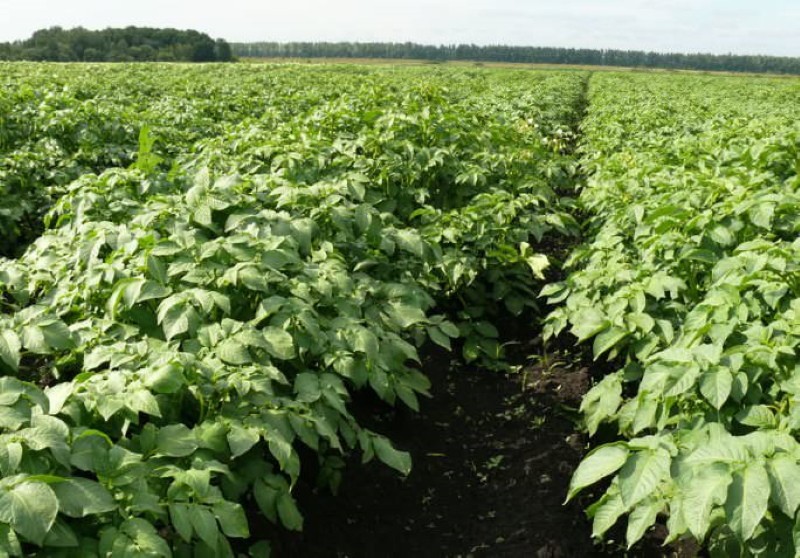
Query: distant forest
(129,44)
(537,55)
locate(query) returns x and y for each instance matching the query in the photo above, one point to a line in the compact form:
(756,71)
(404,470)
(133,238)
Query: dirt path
(492,463)
(491,467)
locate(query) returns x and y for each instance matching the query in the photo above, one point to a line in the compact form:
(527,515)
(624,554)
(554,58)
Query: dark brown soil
(493,455)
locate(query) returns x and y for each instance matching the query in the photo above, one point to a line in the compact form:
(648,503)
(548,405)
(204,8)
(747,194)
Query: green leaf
(267,499)
(57,335)
(784,476)
(57,396)
(598,464)
(204,524)
(538,263)
(748,497)
(279,343)
(642,474)
(588,322)
(602,401)
(706,487)
(450,329)
(165,379)
(33,340)
(715,385)
(11,456)
(643,516)
(262,549)
(759,416)
(723,450)
(231,351)
(9,543)
(30,508)
(608,339)
(241,439)
(157,269)
(438,337)
(142,401)
(232,519)
(176,440)
(606,514)
(722,235)
(404,315)
(144,539)
(410,241)
(398,460)
(90,450)
(10,349)
(642,321)
(307,388)
(287,511)
(79,497)
(179,513)
(175,317)
(364,341)
(61,535)
(761,214)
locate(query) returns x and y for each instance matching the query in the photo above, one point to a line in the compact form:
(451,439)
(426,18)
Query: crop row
(198,311)
(691,284)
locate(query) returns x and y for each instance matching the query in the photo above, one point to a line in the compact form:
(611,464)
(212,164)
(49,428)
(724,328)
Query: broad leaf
(30,508)
(598,464)
(642,474)
(748,496)
(79,497)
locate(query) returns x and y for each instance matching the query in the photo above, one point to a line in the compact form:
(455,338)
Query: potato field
(340,310)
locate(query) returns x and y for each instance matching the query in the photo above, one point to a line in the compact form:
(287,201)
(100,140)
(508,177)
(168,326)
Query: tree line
(537,55)
(129,44)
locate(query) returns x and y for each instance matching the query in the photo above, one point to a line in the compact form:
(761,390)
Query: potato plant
(231,253)
(690,283)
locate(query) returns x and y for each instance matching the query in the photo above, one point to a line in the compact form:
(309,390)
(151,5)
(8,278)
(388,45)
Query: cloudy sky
(719,26)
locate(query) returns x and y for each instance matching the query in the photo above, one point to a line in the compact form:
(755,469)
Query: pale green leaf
(607,340)
(641,518)
(231,351)
(79,497)
(642,474)
(176,440)
(748,497)
(10,349)
(30,508)
(706,487)
(280,343)
(588,322)
(598,464)
(784,475)
(715,385)
(606,514)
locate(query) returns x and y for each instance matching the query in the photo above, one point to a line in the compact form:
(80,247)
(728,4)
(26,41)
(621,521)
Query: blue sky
(739,26)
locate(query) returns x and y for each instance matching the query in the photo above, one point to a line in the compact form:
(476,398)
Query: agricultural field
(291,310)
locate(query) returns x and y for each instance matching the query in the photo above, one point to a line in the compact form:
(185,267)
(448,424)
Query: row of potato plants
(59,122)
(185,323)
(691,285)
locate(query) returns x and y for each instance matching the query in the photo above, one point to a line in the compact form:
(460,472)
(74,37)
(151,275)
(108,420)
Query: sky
(716,26)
